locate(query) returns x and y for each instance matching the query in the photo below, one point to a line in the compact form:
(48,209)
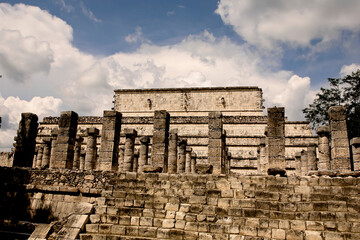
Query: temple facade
(219,130)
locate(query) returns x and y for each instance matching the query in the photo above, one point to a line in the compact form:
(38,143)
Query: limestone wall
(190,101)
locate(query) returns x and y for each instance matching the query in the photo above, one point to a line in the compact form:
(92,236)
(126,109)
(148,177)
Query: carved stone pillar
(324,148)
(276,141)
(188,159)
(110,137)
(136,161)
(160,139)
(121,159)
(311,158)
(65,143)
(143,153)
(130,135)
(77,153)
(39,156)
(340,152)
(25,140)
(304,163)
(90,157)
(263,162)
(46,154)
(216,143)
(82,158)
(355,143)
(54,134)
(35,157)
(193,163)
(172,167)
(181,156)
(298,164)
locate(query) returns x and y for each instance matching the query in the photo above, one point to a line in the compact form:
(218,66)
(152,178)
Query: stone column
(262,157)
(110,137)
(25,140)
(47,151)
(172,167)
(136,161)
(276,141)
(35,157)
(298,164)
(340,153)
(181,156)
(188,160)
(90,157)
(121,159)
(311,158)
(65,143)
(77,153)
(160,139)
(144,152)
(228,162)
(355,144)
(324,148)
(215,146)
(54,134)
(130,135)
(304,163)
(193,163)
(82,159)
(39,156)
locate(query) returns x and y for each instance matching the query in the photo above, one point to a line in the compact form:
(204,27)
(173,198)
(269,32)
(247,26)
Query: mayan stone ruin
(191,163)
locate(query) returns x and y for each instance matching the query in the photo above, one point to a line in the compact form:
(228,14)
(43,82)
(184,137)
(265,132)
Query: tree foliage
(343,91)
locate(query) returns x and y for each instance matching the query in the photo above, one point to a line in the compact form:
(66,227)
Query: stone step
(92,236)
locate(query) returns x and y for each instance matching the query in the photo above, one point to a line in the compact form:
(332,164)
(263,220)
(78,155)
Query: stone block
(168,223)
(337,113)
(118,229)
(146,221)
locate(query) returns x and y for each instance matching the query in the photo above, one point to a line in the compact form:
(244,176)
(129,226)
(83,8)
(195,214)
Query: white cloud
(135,37)
(169,13)
(298,23)
(87,12)
(349,69)
(22,56)
(64,6)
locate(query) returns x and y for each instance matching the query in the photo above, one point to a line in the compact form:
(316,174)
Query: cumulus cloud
(22,56)
(349,69)
(297,23)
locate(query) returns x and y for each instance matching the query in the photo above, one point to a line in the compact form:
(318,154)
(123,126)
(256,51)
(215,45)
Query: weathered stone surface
(64,150)
(160,141)
(355,144)
(25,140)
(276,140)
(340,153)
(216,156)
(90,157)
(129,149)
(152,169)
(78,142)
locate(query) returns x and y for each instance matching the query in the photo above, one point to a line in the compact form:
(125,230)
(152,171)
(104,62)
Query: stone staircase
(189,206)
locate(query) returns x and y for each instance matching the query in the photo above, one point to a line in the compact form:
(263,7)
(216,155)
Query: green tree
(343,91)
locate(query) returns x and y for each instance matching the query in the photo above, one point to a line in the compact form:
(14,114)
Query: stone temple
(190,163)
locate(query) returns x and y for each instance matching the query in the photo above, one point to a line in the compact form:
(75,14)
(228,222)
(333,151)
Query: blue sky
(67,54)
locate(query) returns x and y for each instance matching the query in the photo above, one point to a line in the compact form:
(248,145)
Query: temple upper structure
(218,130)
